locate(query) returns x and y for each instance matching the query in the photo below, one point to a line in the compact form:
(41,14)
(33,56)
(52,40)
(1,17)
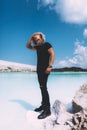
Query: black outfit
(43,58)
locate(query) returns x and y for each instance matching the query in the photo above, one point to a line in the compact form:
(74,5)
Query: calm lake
(19,92)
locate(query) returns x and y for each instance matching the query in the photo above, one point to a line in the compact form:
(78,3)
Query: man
(45,59)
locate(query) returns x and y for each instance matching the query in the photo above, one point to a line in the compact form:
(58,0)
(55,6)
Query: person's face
(38,39)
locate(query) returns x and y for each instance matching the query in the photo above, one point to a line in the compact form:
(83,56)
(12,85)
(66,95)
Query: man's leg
(45,97)
(42,78)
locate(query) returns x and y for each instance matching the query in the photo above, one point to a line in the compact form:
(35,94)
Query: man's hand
(48,70)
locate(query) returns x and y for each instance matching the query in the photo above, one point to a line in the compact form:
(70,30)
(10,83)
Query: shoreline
(1,71)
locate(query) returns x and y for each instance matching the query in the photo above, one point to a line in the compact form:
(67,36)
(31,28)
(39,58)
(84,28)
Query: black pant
(42,79)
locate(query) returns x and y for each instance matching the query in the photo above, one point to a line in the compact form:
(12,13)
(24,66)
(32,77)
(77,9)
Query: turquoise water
(19,92)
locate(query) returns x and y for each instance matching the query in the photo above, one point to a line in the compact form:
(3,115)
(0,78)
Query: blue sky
(64,23)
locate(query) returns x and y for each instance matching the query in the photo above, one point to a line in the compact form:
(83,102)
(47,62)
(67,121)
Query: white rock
(59,115)
(13,66)
(59,110)
(80,99)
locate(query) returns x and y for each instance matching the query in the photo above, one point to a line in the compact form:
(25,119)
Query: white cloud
(79,59)
(71,11)
(85,33)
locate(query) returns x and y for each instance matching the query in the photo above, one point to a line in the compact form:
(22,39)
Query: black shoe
(44,114)
(39,109)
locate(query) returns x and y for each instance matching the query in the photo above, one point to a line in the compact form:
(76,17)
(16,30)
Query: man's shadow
(24,104)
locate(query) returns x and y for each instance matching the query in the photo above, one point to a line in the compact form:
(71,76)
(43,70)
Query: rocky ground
(60,118)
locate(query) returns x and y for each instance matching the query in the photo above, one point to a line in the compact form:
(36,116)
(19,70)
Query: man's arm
(29,46)
(51,61)
(52,55)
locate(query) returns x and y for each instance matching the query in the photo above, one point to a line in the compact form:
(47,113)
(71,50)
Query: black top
(43,56)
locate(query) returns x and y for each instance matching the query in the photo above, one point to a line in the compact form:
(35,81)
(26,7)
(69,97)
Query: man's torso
(43,56)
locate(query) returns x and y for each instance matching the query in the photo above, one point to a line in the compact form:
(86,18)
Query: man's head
(38,38)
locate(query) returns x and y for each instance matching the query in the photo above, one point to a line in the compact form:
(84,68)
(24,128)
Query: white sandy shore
(13,66)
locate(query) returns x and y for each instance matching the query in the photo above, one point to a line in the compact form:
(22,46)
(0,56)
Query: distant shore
(69,69)
(29,69)
(6,66)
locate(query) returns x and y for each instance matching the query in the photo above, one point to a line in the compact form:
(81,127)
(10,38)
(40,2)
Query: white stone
(6,66)
(59,115)
(80,98)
